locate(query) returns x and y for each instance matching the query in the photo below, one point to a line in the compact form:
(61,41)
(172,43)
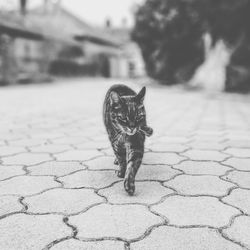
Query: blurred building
(134,64)
(17,59)
(59,43)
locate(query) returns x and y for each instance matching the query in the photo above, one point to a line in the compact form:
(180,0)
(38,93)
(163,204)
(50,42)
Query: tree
(170,32)
(170,36)
(225,19)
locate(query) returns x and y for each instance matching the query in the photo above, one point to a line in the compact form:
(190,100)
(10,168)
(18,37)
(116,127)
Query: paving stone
(195,211)
(173,139)
(73,244)
(9,204)
(165,237)
(239,198)
(89,179)
(24,232)
(199,185)
(162,158)
(105,162)
(102,137)
(240,164)
(26,159)
(156,172)
(66,201)
(166,147)
(45,135)
(27,185)
(94,145)
(11,137)
(206,132)
(207,145)
(235,125)
(48,125)
(57,168)
(69,140)
(206,139)
(205,155)
(239,143)
(238,152)
(128,222)
(240,178)
(11,150)
(78,155)
(108,152)
(10,171)
(202,168)
(145,192)
(50,148)
(239,231)
(28,142)
(238,135)
(175,132)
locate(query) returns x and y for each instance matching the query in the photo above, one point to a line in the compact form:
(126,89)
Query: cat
(125,121)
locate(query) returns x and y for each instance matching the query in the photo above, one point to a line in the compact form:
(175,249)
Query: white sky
(97,11)
(94,11)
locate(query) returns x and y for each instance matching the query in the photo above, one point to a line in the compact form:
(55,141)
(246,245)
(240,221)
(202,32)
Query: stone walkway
(59,190)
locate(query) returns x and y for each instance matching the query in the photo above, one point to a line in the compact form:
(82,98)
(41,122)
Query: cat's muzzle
(130,131)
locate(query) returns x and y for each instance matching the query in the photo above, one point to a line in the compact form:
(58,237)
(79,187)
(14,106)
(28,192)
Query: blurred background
(197,43)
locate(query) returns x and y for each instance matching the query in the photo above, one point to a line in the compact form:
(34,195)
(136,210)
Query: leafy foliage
(225,19)
(170,32)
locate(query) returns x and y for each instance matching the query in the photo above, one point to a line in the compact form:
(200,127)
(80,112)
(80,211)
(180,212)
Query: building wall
(8,69)
(29,56)
(135,60)
(119,67)
(23,59)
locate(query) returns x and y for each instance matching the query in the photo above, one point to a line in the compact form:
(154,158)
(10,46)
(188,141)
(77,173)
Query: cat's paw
(147,131)
(120,174)
(121,171)
(129,186)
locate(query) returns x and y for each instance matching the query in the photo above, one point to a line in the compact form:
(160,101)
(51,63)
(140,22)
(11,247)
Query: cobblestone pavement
(59,190)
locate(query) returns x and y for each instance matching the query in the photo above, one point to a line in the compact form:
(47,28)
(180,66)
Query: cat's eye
(140,112)
(139,118)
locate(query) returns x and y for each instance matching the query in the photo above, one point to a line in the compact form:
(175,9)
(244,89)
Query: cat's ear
(114,98)
(141,95)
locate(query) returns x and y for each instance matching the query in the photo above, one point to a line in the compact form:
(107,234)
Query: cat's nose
(132,125)
(132,130)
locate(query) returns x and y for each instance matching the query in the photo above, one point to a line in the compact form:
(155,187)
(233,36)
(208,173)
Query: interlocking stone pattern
(59,189)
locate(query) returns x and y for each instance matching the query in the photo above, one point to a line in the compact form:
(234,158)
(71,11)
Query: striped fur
(125,121)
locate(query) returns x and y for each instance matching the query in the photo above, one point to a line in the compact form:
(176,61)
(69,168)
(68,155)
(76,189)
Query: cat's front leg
(132,167)
(122,169)
(121,162)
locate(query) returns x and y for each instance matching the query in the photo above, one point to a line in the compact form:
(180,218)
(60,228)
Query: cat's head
(128,112)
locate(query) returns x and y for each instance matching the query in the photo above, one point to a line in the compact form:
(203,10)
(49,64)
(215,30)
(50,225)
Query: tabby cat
(125,121)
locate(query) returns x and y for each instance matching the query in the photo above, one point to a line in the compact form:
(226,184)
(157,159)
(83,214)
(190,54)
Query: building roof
(14,26)
(49,22)
(96,39)
(123,35)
